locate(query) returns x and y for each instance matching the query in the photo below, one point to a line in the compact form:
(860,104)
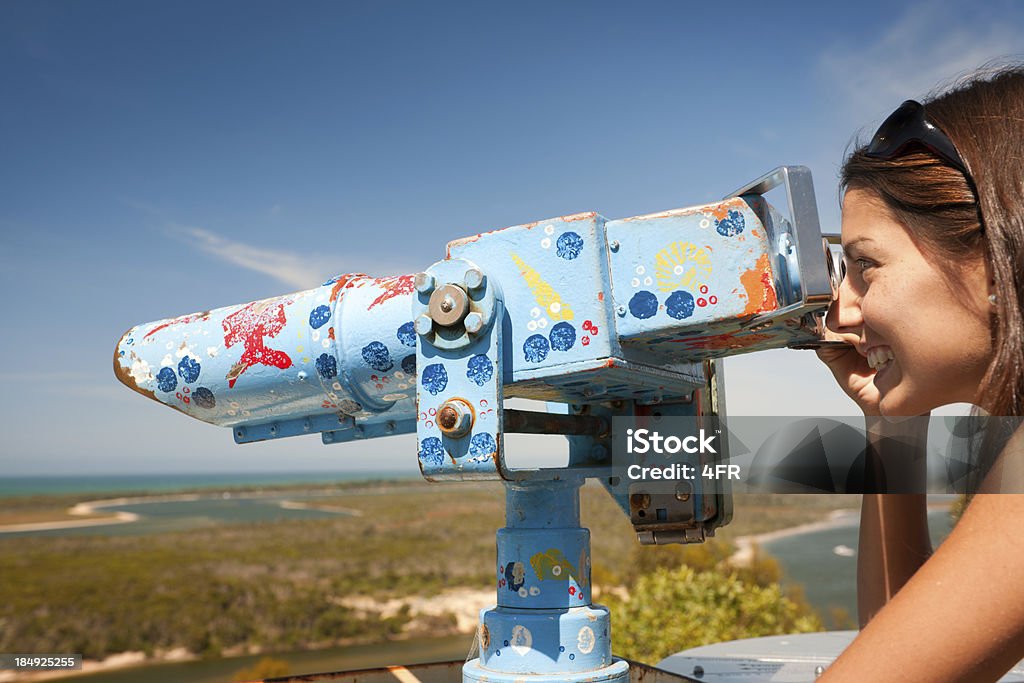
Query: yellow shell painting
(681,265)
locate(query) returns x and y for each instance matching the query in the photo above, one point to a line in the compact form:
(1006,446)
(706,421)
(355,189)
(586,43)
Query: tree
(675,609)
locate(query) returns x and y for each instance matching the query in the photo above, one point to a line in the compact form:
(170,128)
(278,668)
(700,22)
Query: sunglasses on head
(907,125)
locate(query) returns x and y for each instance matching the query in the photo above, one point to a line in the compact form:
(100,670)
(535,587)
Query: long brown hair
(983,115)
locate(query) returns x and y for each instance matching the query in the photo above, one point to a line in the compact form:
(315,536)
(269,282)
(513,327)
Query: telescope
(601,319)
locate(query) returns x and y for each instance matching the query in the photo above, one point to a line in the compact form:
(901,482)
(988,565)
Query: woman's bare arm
(961,616)
(894,540)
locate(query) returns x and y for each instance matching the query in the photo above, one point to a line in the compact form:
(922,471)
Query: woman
(933,232)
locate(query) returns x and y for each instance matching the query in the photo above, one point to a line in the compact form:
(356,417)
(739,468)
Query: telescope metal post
(544,626)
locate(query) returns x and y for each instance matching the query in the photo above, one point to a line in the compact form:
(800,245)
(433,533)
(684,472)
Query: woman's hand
(851,372)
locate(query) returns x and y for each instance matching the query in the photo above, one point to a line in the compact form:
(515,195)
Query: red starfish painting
(249,325)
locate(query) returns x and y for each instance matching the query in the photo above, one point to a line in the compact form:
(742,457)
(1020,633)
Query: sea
(165,482)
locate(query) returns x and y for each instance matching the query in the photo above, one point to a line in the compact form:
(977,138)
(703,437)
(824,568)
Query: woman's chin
(893,409)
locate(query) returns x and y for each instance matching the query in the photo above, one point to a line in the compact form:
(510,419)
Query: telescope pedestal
(544,626)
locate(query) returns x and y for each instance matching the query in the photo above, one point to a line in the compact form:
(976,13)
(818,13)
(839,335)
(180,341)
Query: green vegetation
(267,667)
(270,587)
(675,609)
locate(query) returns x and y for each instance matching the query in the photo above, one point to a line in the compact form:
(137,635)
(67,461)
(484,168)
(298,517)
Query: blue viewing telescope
(602,318)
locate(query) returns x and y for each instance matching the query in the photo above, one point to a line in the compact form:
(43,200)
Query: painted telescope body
(589,310)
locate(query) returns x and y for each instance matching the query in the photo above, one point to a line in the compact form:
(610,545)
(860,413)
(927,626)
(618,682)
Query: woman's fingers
(853,374)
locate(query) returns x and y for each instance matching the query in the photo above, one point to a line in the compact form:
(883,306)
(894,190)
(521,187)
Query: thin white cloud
(294,269)
(926,47)
(301,271)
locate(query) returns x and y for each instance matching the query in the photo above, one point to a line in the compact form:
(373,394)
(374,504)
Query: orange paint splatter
(723,341)
(345,282)
(600,296)
(760,291)
(205,315)
(393,286)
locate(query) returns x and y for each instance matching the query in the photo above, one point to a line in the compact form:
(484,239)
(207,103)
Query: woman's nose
(844,315)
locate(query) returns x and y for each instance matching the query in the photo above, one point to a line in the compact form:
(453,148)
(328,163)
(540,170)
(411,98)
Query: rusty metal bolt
(683,491)
(641,501)
(455,419)
(448,305)
(424,283)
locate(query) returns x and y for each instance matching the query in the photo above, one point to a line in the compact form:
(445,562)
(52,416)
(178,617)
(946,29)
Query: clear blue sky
(163,158)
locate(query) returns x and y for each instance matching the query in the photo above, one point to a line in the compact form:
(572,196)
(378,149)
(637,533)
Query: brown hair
(984,117)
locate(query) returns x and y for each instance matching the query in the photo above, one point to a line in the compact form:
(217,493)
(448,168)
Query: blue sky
(163,158)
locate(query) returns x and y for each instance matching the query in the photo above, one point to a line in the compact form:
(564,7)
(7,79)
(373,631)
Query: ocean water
(161,483)
(828,577)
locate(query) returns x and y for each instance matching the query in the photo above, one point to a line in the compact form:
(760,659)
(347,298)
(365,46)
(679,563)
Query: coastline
(92,506)
(836,519)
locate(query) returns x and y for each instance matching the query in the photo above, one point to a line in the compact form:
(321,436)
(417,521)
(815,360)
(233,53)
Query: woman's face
(921,323)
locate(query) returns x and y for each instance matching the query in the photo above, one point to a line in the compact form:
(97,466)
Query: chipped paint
(179,321)
(573,217)
(719,342)
(551,565)
(760,291)
(392,286)
(343,282)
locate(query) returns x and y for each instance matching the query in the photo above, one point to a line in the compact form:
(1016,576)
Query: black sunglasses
(909,124)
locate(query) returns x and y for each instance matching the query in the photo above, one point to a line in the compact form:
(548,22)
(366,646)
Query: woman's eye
(862,264)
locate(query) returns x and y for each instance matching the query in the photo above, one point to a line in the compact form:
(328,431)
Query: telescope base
(616,672)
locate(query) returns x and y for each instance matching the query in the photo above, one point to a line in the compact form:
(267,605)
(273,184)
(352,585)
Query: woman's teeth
(879,356)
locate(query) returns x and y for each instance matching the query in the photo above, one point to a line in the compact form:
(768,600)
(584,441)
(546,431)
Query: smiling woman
(920,321)
(933,230)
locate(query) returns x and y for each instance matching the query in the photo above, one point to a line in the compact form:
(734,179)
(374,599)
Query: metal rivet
(818,670)
(302,375)
(424,283)
(698,671)
(389,428)
(621,310)
(614,245)
(683,491)
(448,305)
